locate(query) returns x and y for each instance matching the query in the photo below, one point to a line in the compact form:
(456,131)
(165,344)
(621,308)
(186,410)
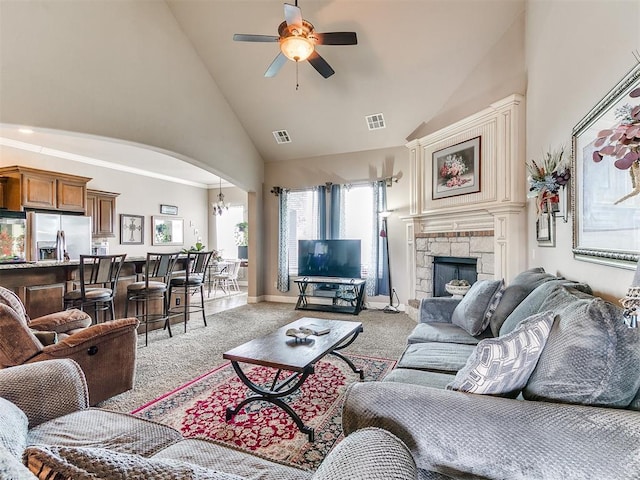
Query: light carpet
(167,363)
(198,410)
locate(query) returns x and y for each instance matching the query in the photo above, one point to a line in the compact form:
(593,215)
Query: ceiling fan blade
(292,14)
(320,64)
(240,37)
(336,38)
(276,65)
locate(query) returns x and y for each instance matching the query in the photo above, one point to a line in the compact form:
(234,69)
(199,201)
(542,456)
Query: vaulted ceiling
(415,59)
(421,63)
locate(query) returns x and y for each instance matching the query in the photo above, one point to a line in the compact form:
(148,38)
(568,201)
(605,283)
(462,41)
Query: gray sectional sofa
(45,422)
(568,408)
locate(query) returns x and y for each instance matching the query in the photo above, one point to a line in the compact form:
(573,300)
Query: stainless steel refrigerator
(55,236)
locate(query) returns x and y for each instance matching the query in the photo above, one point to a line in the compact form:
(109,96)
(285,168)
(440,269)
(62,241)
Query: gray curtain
(335,217)
(322,212)
(378,274)
(283,241)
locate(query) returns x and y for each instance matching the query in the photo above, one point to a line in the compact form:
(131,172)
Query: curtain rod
(277,190)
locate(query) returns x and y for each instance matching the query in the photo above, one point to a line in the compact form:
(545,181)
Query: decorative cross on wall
(132,227)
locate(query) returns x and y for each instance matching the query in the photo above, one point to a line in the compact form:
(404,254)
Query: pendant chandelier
(220,206)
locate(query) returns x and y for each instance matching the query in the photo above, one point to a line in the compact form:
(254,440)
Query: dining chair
(187,285)
(232,280)
(218,278)
(154,287)
(98,280)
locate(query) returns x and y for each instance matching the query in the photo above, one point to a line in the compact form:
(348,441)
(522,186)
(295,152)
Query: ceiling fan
(298,40)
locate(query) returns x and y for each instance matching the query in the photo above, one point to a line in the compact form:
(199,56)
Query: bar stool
(157,271)
(187,285)
(98,280)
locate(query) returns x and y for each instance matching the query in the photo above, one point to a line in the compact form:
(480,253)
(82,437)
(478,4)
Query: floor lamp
(383,233)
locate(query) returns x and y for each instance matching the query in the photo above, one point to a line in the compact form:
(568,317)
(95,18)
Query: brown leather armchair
(106,352)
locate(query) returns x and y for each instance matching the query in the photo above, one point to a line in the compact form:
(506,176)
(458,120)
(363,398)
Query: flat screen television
(329,258)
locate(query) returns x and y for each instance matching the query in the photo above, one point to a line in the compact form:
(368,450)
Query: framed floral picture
(131,229)
(456,169)
(606,194)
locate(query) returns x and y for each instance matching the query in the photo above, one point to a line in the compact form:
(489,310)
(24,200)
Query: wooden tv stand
(347,290)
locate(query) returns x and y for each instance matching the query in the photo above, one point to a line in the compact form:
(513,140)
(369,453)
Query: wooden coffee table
(279,351)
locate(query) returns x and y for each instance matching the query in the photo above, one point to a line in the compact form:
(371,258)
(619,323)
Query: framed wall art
(131,229)
(605,205)
(168,210)
(456,169)
(546,230)
(167,231)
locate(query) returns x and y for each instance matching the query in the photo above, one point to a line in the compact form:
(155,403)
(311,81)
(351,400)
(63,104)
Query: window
(356,221)
(225,225)
(303,223)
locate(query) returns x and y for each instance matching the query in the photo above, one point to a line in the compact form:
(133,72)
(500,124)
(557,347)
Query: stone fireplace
(487,225)
(465,245)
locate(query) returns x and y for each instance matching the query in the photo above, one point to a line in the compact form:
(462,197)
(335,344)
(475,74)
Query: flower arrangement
(452,170)
(622,142)
(546,179)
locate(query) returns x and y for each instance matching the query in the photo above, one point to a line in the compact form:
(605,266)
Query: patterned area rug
(198,409)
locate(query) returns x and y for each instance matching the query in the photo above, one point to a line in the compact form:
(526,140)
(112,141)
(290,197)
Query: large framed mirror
(167,231)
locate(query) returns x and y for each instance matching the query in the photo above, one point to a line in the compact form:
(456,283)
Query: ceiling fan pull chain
(297,84)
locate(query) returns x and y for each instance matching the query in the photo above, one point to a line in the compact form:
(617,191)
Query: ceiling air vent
(282,136)
(375,122)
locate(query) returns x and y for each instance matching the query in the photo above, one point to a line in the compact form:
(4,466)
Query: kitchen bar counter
(57,263)
(41,285)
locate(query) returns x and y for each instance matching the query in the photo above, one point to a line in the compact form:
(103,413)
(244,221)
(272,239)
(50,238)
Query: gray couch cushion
(473,313)
(434,356)
(370,453)
(591,357)
(516,291)
(442,332)
(104,429)
(471,436)
(502,366)
(13,428)
(437,309)
(419,377)
(81,463)
(212,455)
(532,303)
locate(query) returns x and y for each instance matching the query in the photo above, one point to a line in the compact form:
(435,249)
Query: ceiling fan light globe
(296,48)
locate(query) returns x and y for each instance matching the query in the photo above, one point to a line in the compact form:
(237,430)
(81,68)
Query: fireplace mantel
(497,211)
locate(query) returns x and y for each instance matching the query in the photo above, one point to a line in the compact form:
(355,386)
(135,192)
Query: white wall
(122,70)
(139,195)
(125,70)
(576,52)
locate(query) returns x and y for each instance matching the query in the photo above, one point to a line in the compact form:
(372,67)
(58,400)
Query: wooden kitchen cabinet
(101,206)
(27,187)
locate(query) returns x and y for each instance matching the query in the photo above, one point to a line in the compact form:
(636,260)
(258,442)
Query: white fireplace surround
(492,220)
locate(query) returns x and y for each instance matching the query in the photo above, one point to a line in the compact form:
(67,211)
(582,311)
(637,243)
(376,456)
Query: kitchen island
(41,285)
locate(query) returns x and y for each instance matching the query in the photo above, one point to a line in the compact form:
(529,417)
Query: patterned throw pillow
(502,366)
(473,312)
